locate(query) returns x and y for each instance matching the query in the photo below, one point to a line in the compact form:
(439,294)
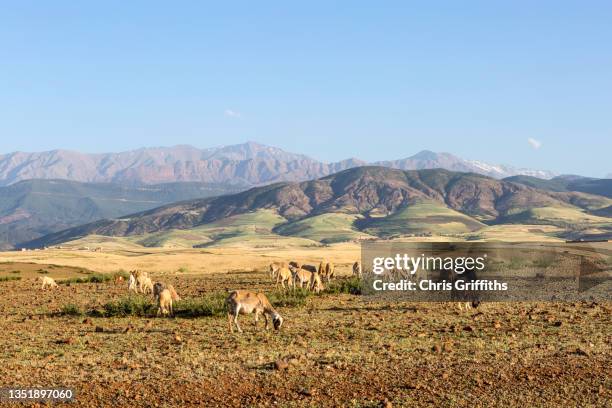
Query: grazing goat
(274,267)
(326,270)
(145,284)
(316,285)
(47,281)
(164,302)
(357,269)
(132,287)
(160,286)
(284,275)
(302,276)
(310,268)
(175,295)
(138,273)
(245,302)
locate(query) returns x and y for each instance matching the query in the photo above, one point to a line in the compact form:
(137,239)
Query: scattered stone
(87,320)
(436,348)
(99,329)
(468,328)
(497,325)
(308,392)
(558,323)
(581,352)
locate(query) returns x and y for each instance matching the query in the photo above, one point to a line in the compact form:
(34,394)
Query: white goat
(132,287)
(145,284)
(48,281)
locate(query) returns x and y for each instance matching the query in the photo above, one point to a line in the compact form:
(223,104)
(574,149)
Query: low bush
(92,278)
(212,304)
(71,310)
(352,286)
(289,298)
(9,278)
(128,306)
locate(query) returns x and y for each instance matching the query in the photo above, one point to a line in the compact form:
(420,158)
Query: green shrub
(92,278)
(128,306)
(212,304)
(122,273)
(289,298)
(71,310)
(9,278)
(352,286)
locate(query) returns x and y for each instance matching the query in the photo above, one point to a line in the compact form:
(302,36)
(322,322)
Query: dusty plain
(335,349)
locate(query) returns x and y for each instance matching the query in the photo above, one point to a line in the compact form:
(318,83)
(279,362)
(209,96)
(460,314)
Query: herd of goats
(288,275)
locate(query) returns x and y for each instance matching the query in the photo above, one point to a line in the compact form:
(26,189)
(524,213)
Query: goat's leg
(236,323)
(236,313)
(229,322)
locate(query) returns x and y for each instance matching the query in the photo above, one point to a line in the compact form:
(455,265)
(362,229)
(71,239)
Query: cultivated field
(335,349)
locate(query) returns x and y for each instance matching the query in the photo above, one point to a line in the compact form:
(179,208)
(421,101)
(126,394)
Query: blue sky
(374,80)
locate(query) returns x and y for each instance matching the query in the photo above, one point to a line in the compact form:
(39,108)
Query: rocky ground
(336,350)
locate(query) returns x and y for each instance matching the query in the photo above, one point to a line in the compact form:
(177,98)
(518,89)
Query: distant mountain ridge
(244,165)
(382,202)
(602,187)
(32,208)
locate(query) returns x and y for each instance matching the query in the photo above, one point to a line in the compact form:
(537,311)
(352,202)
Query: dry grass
(342,349)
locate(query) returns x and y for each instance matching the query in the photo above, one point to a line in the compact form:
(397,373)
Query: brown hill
(367,191)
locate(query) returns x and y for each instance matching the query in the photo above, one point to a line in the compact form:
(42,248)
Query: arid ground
(335,349)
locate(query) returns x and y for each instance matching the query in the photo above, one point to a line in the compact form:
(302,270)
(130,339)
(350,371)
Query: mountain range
(370,201)
(32,208)
(43,193)
(243,165)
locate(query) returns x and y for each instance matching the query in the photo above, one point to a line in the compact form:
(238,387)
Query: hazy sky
(522,83)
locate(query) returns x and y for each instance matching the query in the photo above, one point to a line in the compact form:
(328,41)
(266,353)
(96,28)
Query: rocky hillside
(371,193)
